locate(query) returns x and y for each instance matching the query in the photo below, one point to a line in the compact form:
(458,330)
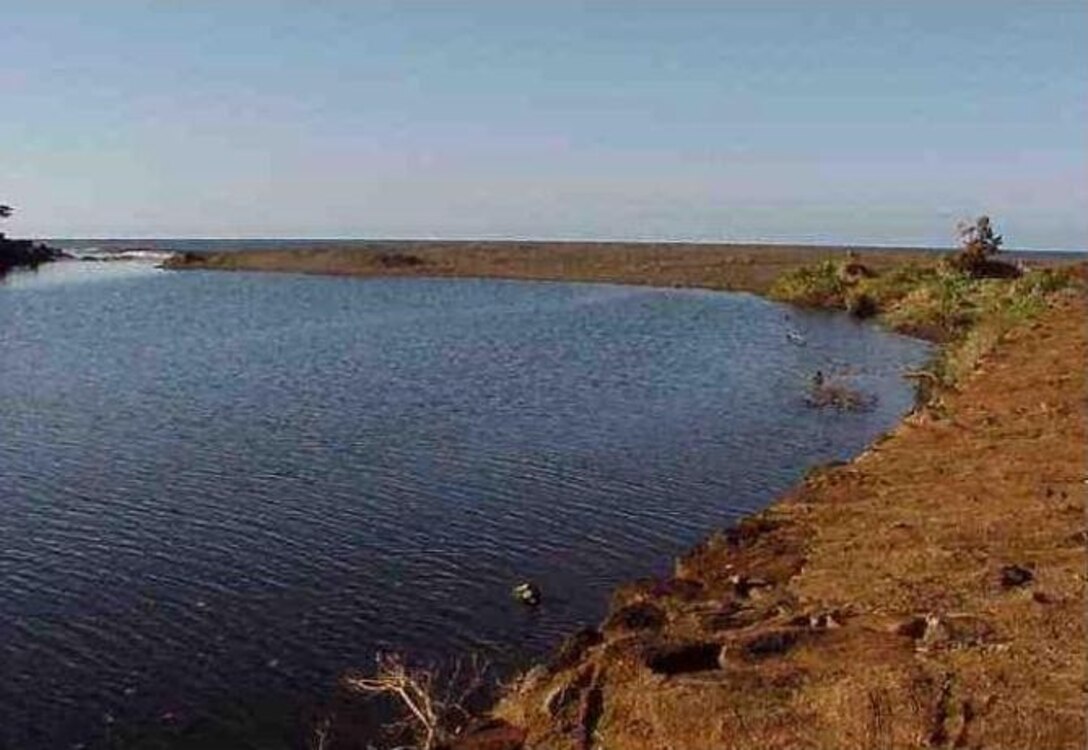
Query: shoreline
(723,267)
(877,604)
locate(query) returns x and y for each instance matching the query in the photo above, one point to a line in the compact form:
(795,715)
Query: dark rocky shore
(25,254)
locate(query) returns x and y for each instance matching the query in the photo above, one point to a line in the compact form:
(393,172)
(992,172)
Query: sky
(869,122)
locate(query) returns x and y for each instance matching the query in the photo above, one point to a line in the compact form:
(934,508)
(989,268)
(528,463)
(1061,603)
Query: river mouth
(225,489)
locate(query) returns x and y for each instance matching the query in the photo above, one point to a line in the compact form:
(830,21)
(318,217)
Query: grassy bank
(934,300)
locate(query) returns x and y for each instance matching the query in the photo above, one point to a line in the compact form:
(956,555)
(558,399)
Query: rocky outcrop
(25,253)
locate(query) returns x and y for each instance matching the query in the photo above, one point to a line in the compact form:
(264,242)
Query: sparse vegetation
(964,301)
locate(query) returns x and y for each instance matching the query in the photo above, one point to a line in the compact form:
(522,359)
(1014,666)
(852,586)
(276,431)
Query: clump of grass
(937,306)
(820,285)
(998,306)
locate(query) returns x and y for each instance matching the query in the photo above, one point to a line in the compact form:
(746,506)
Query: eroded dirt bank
(931,593)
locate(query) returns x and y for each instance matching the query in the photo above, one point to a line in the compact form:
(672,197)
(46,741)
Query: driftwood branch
(432,702)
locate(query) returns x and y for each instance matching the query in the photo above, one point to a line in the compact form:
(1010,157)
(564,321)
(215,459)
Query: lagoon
(220,491)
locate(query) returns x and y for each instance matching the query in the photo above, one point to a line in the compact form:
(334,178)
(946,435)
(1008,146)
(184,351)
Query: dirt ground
(931,593)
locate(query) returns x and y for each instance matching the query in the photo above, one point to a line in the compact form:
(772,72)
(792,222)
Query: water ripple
(220,491)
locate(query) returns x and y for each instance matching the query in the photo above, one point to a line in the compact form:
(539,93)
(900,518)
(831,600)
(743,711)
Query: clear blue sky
(863,121)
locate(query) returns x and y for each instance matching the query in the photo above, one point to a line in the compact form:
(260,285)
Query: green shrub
(816,286)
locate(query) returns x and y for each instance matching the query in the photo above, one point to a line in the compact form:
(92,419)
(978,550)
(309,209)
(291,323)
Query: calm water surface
(219,491)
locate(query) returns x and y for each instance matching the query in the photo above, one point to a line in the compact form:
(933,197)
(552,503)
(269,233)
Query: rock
(1015,575)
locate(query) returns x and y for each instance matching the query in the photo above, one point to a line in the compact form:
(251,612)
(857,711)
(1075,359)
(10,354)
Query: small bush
(940,306)
(816,286)
(941,302)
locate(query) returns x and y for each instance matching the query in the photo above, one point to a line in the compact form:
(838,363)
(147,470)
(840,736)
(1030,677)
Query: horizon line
(557,240)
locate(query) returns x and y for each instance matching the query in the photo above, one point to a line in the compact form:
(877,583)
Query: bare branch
(432,702)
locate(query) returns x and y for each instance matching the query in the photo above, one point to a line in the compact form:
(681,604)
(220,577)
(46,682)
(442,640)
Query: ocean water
(218,492)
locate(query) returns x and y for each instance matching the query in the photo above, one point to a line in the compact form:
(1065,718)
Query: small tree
(6,211)
(978,240)
(978,245)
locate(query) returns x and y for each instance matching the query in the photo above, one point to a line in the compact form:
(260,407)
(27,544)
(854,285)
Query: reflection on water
(76,271)
(221,490)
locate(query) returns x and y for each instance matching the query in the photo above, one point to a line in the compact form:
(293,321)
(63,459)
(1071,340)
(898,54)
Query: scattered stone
(956,631)
(1015,575)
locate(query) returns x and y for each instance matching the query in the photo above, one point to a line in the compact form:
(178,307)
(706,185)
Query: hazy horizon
(847,123)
